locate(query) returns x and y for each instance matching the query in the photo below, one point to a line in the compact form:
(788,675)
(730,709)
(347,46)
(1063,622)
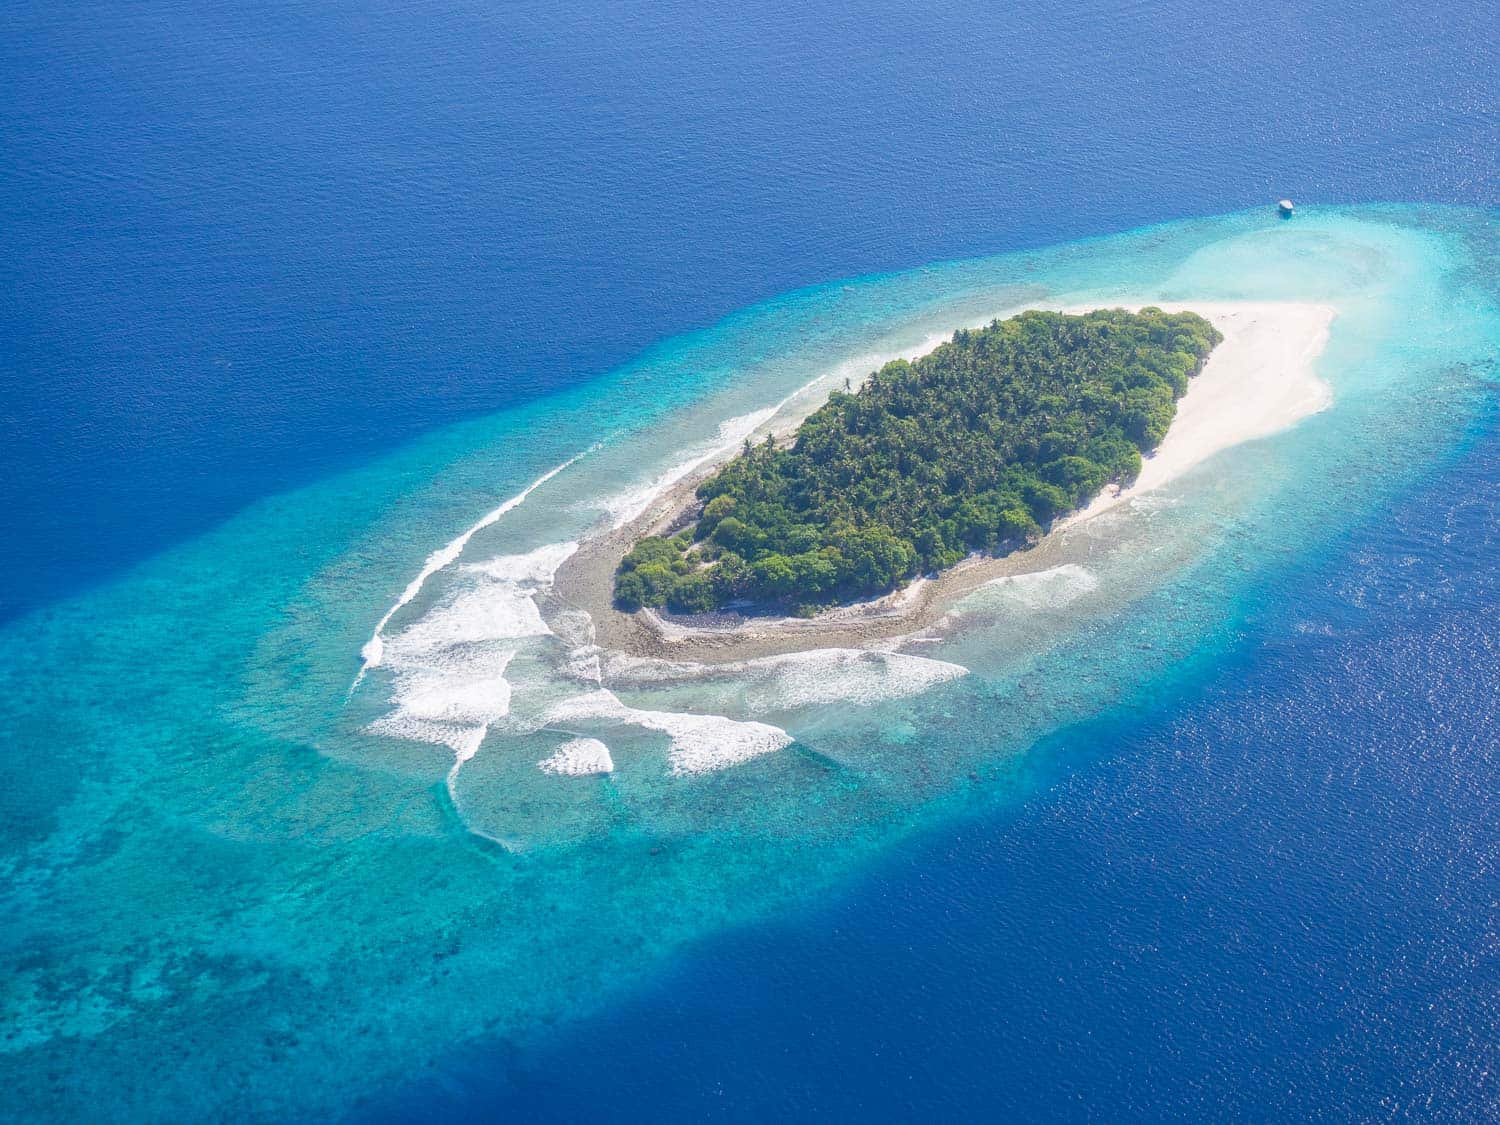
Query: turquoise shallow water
(226,894)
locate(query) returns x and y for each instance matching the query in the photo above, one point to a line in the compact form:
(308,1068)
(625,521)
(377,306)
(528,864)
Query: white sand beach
(1260,380)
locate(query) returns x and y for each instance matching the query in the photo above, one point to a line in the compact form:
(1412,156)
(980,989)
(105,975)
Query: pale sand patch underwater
(1259,380)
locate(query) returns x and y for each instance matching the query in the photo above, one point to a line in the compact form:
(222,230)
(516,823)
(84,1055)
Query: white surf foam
(698,743)
(823,676)
(470,689)
(1045,589)
(536,567)
(628,505)
(373,651)
(585,663)
(579,757)
(799,679)
(446,710)
(448,682)
(499,603)
(462,740)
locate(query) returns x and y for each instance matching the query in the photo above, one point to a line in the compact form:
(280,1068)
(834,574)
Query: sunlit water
(283,838)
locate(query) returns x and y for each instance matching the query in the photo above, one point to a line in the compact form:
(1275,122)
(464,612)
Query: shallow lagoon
(227,894)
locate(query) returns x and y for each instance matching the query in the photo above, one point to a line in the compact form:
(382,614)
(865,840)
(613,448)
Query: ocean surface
(326,334)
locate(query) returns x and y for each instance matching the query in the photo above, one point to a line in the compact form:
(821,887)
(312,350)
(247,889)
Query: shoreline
(1258,381)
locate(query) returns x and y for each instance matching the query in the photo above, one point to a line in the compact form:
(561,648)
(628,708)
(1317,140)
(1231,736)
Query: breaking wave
(373,651)
(579,757)
(799,679)
(448,667)
(625,506)
(698,743)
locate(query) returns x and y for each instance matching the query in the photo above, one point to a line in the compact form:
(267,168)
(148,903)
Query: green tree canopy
(974,447)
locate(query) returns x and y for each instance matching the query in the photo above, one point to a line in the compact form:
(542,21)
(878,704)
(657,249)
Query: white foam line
(699,743)
(467,750)
(374,648)
(579,757)
(626,506)
(462,754)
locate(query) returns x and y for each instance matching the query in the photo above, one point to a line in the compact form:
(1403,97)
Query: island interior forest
(977,446)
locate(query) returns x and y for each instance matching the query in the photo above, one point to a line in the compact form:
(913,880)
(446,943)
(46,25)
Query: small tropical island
(977,446)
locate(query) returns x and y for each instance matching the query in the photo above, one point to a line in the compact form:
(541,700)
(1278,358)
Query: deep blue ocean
(271,270)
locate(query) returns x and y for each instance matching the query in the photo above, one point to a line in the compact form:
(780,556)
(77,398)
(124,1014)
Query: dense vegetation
(977,446)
